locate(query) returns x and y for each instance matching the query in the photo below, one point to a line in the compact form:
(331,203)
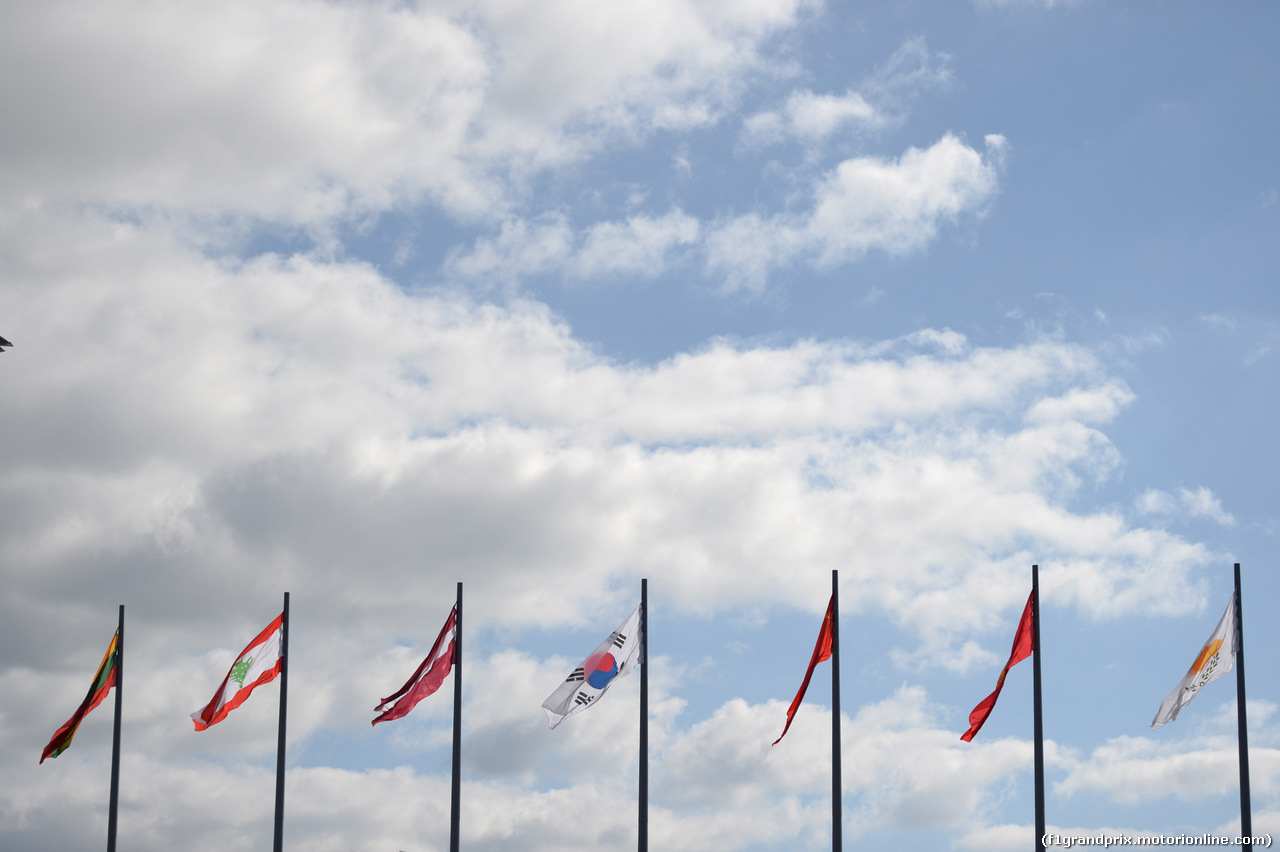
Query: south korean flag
(615,658)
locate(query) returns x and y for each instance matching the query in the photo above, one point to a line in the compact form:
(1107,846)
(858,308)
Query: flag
(427,678)
(102,683)
(1211,663)
(257,664)
(1023,645)
(615,658)
(821,651)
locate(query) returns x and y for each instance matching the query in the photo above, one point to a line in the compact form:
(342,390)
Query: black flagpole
(1039,722)
(837,788)
(115,738)
(455,799)
(644,717)
(1246,814)
(284,698)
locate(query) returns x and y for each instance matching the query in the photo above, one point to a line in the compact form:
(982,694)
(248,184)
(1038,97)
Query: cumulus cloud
(306,111)
(1204,762)
(811,117)
(879,102)
(865,203)
(1200,503)
(300,419)
(639,246)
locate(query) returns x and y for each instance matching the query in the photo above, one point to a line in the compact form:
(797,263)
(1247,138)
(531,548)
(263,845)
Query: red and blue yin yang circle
(600,670)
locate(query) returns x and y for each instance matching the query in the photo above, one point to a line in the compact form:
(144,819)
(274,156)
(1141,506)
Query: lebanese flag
(1023,644)
(258,663)
(106,677)
(427,678)
(821,652)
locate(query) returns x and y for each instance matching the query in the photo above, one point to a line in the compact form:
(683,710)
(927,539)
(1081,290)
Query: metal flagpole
(114,801)
(1039,722)
(837,787)
(284,698)
(455,802)
(644,717)
(1246,814)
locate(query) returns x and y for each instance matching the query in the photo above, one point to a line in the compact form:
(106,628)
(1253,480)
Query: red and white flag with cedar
(258,663)
(1023,645)
(427,679)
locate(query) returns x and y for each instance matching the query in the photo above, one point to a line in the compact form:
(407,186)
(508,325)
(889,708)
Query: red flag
(1023,644)
(821,651)
(426,679)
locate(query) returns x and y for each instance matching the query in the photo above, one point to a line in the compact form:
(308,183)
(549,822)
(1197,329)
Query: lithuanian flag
(102,683)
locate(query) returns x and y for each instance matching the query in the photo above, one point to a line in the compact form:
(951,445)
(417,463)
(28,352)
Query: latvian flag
(615,658)
(427,678)
(102,683)
(257,664)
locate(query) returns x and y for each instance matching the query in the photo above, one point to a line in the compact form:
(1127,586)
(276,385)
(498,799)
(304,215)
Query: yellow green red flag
(102,683)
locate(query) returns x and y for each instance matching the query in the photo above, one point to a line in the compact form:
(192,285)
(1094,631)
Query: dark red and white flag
(427,678)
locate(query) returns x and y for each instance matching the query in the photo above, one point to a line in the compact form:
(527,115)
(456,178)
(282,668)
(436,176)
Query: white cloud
(813,117)
(287,418)
(1200,503)
(865,203)
(638,246)
(1205,763)
(519,250)
(304,111)
(1086,405)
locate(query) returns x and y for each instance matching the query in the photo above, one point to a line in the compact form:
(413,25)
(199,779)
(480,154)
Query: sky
(358,300)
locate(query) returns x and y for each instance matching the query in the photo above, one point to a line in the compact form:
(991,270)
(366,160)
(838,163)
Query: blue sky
(360,299)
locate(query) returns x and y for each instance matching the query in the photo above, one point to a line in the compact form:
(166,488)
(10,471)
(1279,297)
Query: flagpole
(114,800)
(1039,722)
(837,787)
(455,800)
(284,698)
(644,717)
(1246,814)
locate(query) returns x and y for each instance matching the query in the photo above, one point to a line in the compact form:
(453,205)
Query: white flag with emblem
(1214,660)
(615,658)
